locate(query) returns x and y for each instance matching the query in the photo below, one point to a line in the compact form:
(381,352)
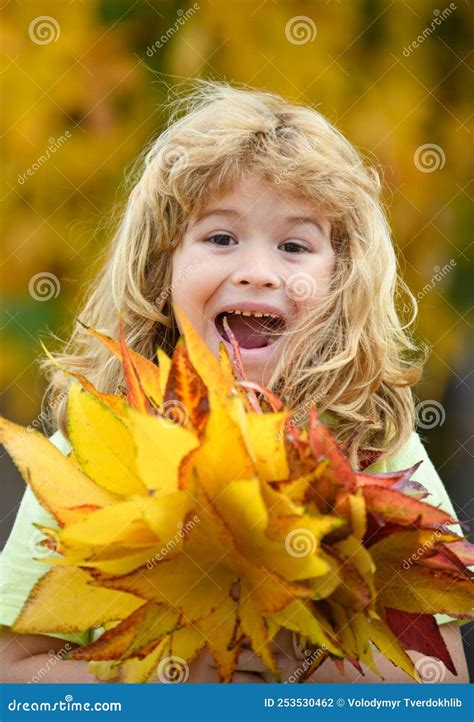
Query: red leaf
(135,394)
(446,559)
(324,446)
(388,479)
(402,509)
(272,400)
(463,550)
(377,529)
(185,386)
(420,633)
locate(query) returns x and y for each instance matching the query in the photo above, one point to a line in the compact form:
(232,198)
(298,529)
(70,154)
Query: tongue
(248,330)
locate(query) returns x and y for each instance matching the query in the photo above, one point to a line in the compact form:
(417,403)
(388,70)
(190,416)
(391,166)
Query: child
(260,212)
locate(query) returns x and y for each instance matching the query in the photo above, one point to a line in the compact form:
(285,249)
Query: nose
(257,270)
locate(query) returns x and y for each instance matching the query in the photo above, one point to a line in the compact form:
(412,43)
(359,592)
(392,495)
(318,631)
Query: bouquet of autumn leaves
(196,480)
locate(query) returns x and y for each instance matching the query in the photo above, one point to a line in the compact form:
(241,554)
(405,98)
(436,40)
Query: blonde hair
(351,355)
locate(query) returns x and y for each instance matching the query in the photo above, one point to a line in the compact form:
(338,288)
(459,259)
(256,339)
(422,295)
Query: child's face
(255,249)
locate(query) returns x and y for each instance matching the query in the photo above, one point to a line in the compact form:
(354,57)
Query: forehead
(257,196)
(258,199)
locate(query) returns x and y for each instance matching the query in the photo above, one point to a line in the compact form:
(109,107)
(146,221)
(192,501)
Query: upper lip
(252,306)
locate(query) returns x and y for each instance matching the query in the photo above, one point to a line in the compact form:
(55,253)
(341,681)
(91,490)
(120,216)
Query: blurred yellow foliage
(85,94)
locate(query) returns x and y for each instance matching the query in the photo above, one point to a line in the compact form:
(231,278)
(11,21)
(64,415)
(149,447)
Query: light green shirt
(19,571)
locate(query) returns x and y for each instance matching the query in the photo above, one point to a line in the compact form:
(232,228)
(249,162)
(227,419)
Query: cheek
(310,284)
(183,284)
(193,281)
(324,274)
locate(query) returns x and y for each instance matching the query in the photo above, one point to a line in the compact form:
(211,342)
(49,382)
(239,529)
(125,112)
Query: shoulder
(60,442)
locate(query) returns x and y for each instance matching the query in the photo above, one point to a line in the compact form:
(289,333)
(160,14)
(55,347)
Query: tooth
(257,314)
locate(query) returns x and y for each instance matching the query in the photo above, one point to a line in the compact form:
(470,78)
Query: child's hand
(250,669)
(203,671)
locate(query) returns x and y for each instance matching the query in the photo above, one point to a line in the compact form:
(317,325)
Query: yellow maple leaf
(187,488)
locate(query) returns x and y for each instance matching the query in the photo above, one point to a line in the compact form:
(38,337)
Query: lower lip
(252,354)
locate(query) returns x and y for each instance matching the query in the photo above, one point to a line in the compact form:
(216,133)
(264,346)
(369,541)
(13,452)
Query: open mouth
(252,329)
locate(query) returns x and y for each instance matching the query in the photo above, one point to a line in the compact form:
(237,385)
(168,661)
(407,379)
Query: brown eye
(219,239)
(293,247)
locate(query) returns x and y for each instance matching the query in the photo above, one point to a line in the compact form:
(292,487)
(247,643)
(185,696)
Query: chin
(258,375)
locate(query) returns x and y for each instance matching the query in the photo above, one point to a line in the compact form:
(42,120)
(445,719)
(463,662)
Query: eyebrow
(307,219)
(231,212)
(215,212)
